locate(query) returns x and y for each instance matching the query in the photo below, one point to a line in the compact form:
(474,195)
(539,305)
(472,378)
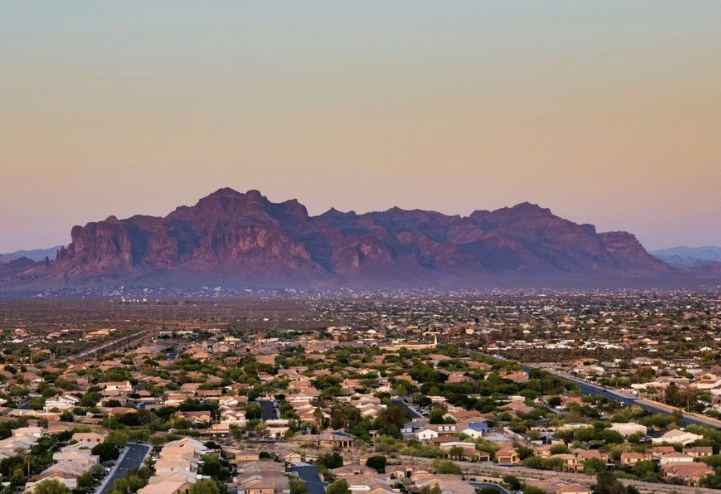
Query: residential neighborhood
(572,393)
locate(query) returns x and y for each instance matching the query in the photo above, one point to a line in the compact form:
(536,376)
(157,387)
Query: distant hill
(229,238)
(688,257)
(16,266)
(33,255)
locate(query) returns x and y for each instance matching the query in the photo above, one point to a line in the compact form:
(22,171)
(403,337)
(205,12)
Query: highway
(128,341)
(490,471)
(626,400)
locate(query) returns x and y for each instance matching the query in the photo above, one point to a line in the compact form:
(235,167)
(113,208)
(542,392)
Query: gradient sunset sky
(606,112)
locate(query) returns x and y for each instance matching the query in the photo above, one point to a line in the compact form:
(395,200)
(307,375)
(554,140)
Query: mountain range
(232,238)
(687,257)
(33,255)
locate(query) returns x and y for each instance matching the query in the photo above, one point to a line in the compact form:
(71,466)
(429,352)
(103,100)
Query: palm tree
(29,461)
(318,417)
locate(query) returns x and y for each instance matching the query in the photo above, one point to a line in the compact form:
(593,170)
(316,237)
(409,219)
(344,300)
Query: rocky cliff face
(246,237)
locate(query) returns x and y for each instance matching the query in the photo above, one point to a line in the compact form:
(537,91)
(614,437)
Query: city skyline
(606,113)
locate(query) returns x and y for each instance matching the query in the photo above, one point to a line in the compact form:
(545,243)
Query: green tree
(36,403)
(330,460)
(593,465)
(645,470)
(106,451)
(253,411)
(204,486)
(85,481)
(436,416)
(524,452)
(378,463)
(298,487)
(340,486)
(456,452)
(533,490)
(445,466)
(558,449)
(392,415)
(513,482)
(51,486)
(606,483)
(90,399)
(116,374)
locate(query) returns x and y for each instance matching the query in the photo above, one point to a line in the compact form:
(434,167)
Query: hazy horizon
(604,112)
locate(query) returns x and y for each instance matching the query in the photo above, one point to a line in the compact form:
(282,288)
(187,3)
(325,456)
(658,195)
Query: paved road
(483,485)
(267,410)
(593,389)
(488,469)
(311,476)
(414,414)
(133,458)
(588,388)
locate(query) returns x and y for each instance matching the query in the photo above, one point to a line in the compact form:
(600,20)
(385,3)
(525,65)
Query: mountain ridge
(33,255)
(688,257)
(244,237)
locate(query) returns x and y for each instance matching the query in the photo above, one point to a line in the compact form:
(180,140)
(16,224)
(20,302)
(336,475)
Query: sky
(606,112)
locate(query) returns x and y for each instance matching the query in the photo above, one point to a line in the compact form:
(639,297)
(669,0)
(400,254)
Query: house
(688,473)
(62,402)
(166,487)
(554,485)
(332,439)
(584,455)
(89,438)
(247,455)
(658,451)
(629,428)
(675,457)
(476,429)
(292,458)
(447,483)
(677,437)
(573,489)
(570,461)
(698,451)
(507,455)
(262,477)
(630,458)
(426,434)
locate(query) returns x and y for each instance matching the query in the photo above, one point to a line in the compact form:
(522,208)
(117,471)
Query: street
(267,410)
(133,458)
(311,476)
(411,411)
